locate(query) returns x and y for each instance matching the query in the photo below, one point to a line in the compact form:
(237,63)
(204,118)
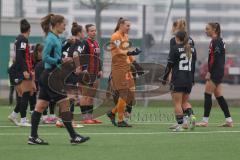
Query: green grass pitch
(149,139)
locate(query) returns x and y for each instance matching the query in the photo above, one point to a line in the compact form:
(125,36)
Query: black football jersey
(216,58)
(78,47)
(23,58)
(183,67)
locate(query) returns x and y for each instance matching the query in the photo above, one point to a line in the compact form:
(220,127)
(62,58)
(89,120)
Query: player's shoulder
(217,41)
(21,42)
(172,42)
(78,43)
(20,38)
(115,35)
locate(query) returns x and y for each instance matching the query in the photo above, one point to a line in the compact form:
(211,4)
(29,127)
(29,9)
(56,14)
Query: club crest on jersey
(97,50)
(80,49)
(23,45)
(117,43)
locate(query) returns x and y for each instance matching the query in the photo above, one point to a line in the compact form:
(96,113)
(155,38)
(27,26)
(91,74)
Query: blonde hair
(181,25)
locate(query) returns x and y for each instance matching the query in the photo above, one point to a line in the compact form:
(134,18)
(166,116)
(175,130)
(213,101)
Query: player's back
(182,72)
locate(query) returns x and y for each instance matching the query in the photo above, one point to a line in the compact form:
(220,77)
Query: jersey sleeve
(171,56)
(172,43)
(194,60)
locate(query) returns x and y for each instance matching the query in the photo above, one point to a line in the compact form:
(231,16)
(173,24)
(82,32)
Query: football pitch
(148,139)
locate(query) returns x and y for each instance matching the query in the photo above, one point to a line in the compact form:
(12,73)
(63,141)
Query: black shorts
(216,81)
(186,90)
(45,92)
(72,79)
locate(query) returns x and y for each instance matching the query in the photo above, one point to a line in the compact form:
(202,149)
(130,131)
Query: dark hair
(38,47)
(216,27)
(88,26)
(76,28)
(183,37)
(50,20)
(121,20)
(24,26)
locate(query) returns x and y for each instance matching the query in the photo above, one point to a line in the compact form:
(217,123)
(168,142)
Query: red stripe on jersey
(28,59)
(211,53)
(93,66)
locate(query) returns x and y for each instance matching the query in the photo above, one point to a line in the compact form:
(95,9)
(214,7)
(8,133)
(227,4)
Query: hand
(208,75)
(33,75)
(134,52)
(78,70)
(67,59)
(26,75)
(139,69)
(100,74)
(164,82)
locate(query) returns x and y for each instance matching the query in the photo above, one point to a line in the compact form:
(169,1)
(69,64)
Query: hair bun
(74,24)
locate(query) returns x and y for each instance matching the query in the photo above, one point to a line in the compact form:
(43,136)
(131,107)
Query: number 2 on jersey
(185,63)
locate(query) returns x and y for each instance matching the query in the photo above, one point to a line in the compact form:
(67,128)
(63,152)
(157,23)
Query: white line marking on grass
(107,124)
(122,133)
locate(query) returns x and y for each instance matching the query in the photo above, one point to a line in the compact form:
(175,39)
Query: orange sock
(120,109)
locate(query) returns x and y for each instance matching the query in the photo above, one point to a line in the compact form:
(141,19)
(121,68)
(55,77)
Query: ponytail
(118,24)
(45,23)
(121,20)
(50,21)
(187,48)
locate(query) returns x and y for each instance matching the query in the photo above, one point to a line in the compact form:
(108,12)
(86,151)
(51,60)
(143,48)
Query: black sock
(179,119)
(11,94)
(128,108)
(115,95)
(67,121)
(224,106)
(188,112)
(33,101)
(90,109)
(207,104)
(35,122)
(18,104)
(51,107)
(45,112)
(24,104)
(71,105)
(84,109)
